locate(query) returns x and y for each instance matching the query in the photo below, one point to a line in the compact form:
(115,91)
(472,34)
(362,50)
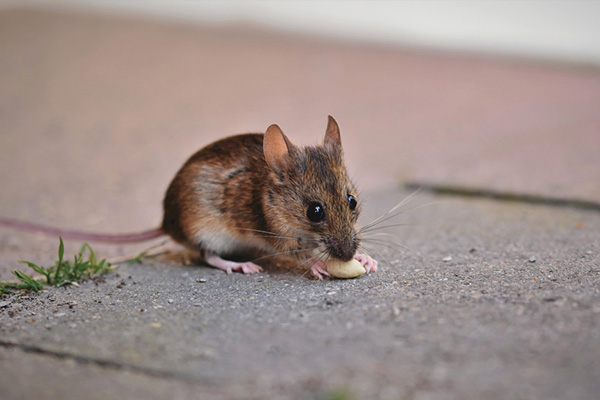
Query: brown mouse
(253,195)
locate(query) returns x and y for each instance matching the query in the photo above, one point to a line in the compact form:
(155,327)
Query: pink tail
(92,237)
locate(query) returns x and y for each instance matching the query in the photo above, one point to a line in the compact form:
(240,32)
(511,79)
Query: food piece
(341,269)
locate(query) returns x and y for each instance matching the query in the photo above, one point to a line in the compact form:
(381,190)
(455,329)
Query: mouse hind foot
(229,266)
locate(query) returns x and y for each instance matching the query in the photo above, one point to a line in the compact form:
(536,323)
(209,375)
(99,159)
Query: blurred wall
(566,30)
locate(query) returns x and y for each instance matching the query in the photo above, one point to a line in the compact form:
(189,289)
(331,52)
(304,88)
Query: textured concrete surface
(487,323)
(496,299)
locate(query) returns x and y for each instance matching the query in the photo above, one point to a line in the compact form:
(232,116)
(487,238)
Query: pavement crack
(463,191)
(104,363)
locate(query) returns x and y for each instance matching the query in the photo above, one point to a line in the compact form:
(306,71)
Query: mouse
(251,196)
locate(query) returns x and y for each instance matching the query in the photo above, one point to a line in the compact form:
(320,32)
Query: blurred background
(558,29)
(101,102)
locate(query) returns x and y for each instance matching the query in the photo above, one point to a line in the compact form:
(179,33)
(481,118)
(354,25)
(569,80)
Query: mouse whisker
(285,253)
(390,245)
(398,205)
(387,216)
(374,239)
(276,235)
(374,235)
(370,229)
(322,255)
(373,250)
(258,231)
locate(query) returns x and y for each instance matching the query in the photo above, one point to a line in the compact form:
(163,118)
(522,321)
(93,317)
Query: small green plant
(62,273)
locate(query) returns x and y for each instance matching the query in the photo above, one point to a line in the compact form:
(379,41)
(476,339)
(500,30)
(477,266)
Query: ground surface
(497,299)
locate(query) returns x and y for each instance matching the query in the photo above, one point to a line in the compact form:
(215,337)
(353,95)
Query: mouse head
(311,203)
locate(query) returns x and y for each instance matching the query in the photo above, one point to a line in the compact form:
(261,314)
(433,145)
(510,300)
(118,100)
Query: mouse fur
(247,196)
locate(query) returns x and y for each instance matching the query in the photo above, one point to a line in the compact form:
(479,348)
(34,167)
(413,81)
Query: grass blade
(4,290)
(61,252)
(28,281)
(40,270)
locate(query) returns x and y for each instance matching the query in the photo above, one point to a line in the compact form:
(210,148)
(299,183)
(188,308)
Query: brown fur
(228,195)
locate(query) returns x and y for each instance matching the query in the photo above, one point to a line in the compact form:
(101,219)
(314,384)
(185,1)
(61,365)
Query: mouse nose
(343,250)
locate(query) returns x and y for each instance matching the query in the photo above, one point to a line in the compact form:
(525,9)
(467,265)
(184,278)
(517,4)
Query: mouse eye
(315,212)
(352,202)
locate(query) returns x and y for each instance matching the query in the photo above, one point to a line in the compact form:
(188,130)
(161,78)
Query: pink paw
(367,262)
(246,268)
(230,266)
(318,269)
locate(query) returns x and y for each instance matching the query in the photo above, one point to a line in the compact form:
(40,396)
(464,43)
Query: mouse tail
(78,235)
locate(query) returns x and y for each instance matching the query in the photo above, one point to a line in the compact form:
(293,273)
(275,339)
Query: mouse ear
(333,141)
(276,147)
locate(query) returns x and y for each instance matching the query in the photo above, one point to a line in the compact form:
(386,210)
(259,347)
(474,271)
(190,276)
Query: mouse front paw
(367,262)
(318,269)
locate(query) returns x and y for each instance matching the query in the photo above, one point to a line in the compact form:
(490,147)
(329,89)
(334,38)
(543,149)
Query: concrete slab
(471,315)
(29,375)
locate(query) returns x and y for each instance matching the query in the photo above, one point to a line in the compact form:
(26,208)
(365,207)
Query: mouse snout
(342,249)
